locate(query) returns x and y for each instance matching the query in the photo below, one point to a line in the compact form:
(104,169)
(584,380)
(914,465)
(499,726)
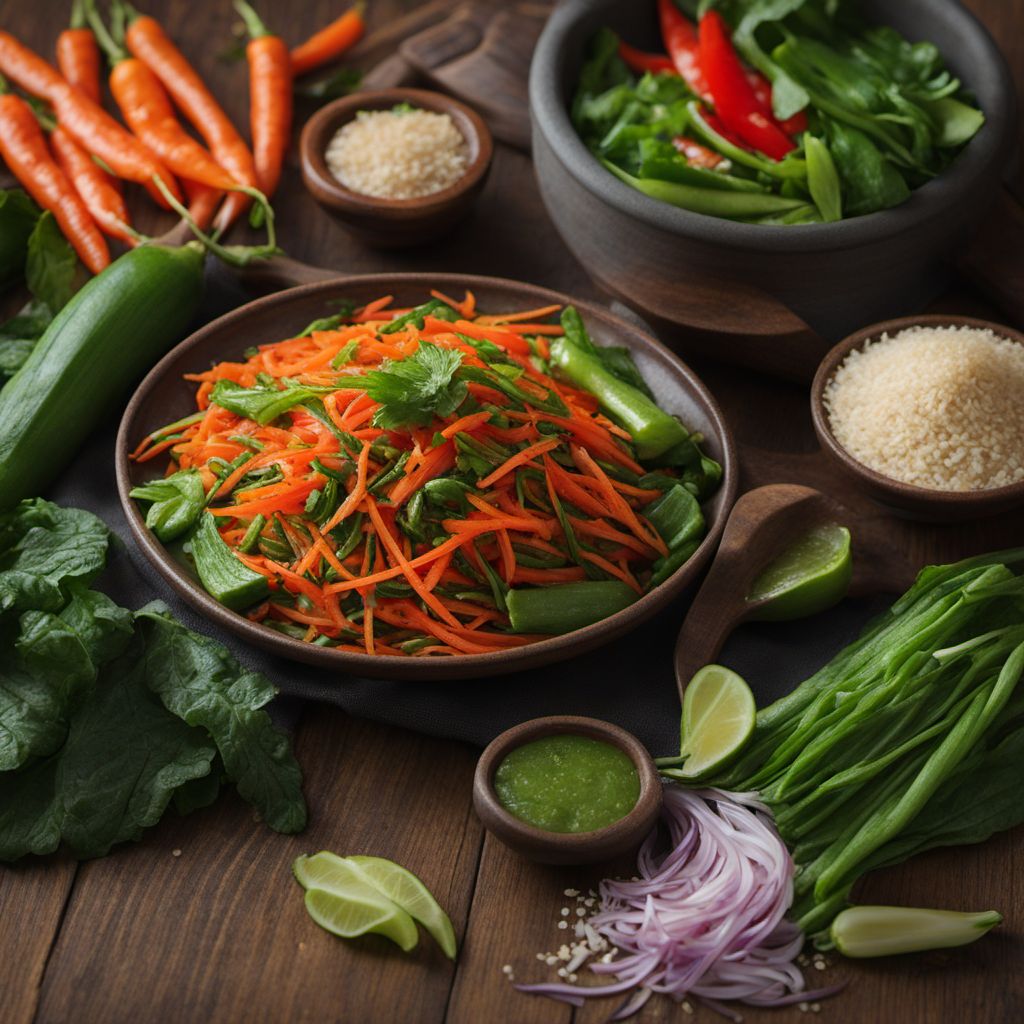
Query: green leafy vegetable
(201,683)
(262,404)
(18,216)
(18,336)
(51,264)
(415,390)
(177,501)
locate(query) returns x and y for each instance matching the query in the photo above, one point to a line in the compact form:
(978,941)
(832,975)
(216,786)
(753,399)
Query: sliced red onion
(704,919)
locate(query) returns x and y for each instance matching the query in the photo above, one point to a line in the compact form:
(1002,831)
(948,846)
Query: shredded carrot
(360,550)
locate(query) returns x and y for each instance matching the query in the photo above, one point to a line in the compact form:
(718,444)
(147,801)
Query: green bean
(566,607)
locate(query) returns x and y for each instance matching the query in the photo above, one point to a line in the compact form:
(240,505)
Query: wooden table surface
(202,921)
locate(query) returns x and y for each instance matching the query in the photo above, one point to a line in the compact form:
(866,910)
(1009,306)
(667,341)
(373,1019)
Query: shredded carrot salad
(394,475)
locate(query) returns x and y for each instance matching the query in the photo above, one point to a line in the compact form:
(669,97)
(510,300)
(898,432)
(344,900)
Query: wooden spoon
(762,525)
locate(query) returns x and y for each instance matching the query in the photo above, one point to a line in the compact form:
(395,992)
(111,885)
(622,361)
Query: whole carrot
(148,41)
(23,147)
(270,98)
(88,123)
(78,56)
(202,202)
(94,187)
(329,42)
(146,108)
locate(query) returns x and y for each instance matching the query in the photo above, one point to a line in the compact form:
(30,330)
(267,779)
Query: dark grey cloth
(629,682)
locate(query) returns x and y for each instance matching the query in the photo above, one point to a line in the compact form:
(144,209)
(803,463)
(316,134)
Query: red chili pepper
(680,39)
(640,62)
(715,124)
(763,91)
(695,154)
(734,98)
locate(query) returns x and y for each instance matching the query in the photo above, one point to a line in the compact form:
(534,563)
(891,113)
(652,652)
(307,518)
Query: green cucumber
(567,606)
(105,338)
(225,578)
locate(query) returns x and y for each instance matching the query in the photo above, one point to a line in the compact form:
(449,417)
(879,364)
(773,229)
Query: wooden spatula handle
(283,272)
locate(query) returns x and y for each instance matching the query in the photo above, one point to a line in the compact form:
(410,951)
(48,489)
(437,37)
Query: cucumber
(224,577)
(105,338)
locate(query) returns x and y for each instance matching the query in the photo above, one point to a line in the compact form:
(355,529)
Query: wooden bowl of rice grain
(925,414)
(398,167)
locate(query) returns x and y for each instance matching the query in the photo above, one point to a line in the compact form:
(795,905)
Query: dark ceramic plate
(734,280)
(164,397)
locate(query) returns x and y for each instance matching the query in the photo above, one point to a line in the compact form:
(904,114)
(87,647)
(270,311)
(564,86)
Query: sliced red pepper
(696,155)
(763,91)
(735,101)
(680,38)
(715,124)
(640,62)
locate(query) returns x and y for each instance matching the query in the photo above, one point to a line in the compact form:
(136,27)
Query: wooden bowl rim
(898,490)
(507,827)
(320,128)
(555,648)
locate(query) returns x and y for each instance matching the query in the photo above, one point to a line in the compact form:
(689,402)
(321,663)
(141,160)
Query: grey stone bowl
(726,283)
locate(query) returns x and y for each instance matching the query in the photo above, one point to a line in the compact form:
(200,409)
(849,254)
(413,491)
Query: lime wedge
(340,898)
(718,720)
(403,888)
(808,577)
(350,916)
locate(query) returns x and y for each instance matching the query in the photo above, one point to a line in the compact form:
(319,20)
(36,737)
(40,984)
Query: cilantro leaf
(201,683)
(415,390)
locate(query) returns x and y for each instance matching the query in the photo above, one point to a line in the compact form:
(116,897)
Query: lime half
(718,720)
(340,898)
(351,916)
(403,888)
(808,577)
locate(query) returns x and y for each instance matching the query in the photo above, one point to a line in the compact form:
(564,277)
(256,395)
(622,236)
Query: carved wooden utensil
(762,525)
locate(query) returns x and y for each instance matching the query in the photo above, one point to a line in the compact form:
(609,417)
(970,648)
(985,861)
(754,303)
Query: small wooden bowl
(921,503)
(567,847)
(394,223)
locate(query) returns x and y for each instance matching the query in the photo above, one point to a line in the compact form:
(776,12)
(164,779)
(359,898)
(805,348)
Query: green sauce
(567,783)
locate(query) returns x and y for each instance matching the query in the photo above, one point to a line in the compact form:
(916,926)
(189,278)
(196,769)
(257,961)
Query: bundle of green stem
(910,738)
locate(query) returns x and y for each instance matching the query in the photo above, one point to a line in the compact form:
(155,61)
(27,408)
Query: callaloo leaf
(201,683)
(104,628)
(125,757)
(44,669)
(51,264)
(177,501)
(30,814)
(43,548)
(261,404)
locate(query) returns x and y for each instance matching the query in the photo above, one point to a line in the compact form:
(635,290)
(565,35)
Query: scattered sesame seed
(562,972)
(574,977)
(563,924)
(687,1008)
(564,911)
(804,1007)
(175,853)
(571,892)
(816,1007)
(552,960)
(580,912)
(820,965)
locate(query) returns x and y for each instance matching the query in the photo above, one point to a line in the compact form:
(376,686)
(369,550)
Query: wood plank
(33,895)
(219,926)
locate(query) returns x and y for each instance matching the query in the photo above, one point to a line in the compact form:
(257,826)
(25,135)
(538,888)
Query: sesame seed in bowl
(402,153)
(924,414)
(397,167)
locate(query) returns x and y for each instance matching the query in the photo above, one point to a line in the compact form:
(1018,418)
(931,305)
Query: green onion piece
(252,535)
(566,607)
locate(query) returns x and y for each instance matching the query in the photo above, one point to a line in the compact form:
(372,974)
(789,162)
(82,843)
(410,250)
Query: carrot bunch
(396,475)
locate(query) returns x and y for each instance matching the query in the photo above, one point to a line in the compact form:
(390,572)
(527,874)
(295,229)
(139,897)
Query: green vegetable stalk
(569,606)
(654,431)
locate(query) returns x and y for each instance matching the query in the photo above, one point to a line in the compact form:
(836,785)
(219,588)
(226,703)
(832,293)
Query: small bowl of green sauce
(567,790)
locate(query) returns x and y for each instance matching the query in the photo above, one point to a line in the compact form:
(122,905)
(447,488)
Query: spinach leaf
(104,628)
(201,683)
(51,264)
(44,668)
(18,216)
(30,815)
(43,548)
(870,181)
(262,404)
(124,758)
(18,336)
(177,501)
